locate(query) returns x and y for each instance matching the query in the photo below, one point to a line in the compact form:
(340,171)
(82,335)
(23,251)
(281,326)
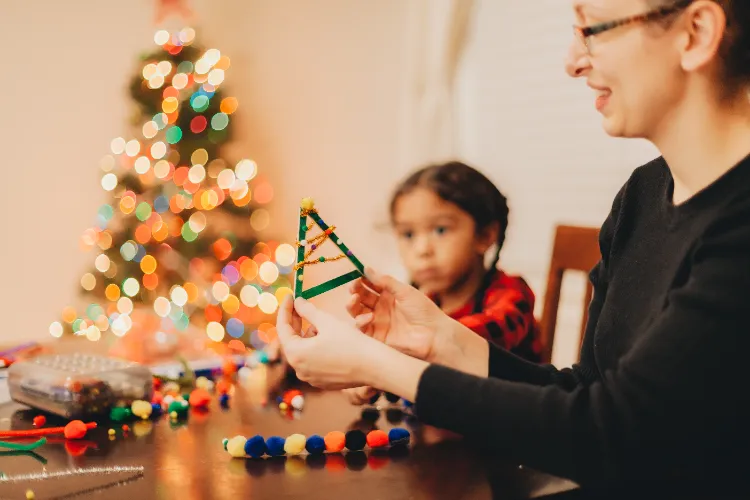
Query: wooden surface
(187,461)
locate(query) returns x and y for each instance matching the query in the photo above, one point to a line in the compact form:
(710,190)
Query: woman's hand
(329,353)
(360,395)
(404,318)
(398,315)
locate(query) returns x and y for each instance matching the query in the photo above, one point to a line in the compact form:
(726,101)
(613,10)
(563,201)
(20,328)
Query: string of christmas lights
(179,234)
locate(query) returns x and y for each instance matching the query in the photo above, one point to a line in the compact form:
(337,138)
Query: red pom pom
(288,395)
(75,430)
(335,441)
(39,420)
(157,383)
(199,398)
(377,439)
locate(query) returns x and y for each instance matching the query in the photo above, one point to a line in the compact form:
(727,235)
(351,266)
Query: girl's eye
(407,235)
(441,230)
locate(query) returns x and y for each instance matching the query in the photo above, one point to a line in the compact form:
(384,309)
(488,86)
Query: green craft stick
(300,253)
(330,284)
(336,240)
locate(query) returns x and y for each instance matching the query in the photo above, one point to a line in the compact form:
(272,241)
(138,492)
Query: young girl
(446,219)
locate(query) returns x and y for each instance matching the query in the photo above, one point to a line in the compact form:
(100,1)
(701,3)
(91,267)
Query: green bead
(120,414)
(322,259)
(304,228)
(224,442)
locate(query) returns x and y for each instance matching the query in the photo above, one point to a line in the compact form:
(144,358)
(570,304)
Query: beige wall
(319,85)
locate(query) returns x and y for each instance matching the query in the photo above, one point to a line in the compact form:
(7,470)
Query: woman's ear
(487,237)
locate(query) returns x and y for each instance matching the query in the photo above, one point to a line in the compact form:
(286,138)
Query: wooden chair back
(575,249)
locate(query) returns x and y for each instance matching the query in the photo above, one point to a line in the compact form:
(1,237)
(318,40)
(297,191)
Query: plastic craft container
(78,385)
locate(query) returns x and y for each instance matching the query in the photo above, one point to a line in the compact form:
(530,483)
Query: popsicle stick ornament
(307,247)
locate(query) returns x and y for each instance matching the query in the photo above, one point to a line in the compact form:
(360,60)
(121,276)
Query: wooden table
(187,461)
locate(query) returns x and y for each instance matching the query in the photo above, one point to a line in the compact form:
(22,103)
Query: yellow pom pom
(308,203)
(141,409)
(203,383)
(294,444)
(283,406)
(236,446)
(30,495)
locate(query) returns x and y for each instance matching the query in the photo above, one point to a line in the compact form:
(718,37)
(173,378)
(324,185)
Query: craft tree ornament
(307,246)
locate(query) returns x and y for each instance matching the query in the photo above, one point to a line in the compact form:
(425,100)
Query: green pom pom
(179,407)
(120,414)
(186,396)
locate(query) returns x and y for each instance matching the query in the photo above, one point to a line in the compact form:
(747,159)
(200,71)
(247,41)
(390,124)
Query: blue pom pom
(156,409)
(315,445)
(224,400)
(256,447)
(279,399)
(408,404)
(399,435)
(275,445)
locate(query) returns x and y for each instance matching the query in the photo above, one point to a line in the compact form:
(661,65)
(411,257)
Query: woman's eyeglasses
(584,33)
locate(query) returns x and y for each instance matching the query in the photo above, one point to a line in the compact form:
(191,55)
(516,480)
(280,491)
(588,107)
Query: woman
(659,393)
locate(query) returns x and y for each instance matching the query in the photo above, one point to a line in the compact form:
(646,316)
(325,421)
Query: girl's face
(438,241)
(634,69)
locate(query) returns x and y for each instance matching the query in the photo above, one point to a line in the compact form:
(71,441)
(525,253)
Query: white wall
(535,131)
(319,85)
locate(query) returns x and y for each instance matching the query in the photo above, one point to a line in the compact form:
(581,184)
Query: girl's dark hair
(471,191)
(735,48)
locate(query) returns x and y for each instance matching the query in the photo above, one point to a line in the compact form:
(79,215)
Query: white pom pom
(298,402)
(168,399)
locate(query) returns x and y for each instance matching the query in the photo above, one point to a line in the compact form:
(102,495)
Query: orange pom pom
(335,441)
(199,398)
(40,420)
(157,398)
(223,386)
(75,430)
(377,439)
(229,368)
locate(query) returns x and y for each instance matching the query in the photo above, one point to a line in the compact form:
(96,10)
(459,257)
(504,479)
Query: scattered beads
(296,444)
(125,428)
(173,415)
(199,398)
(30,495)
(39,420)
(75,430)
(141,409)
(111,432)
(298,402)
(224,400)
(120,414)
(179,407)
(201,383)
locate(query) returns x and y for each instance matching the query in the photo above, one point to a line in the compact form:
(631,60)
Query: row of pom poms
(297,444)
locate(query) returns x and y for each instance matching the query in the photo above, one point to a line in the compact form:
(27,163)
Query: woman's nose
(577,61)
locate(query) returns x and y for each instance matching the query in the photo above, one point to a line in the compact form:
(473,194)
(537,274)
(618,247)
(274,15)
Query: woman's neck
(462,292)
(703,142)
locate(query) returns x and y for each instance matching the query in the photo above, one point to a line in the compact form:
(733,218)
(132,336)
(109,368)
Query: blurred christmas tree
(178,237)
